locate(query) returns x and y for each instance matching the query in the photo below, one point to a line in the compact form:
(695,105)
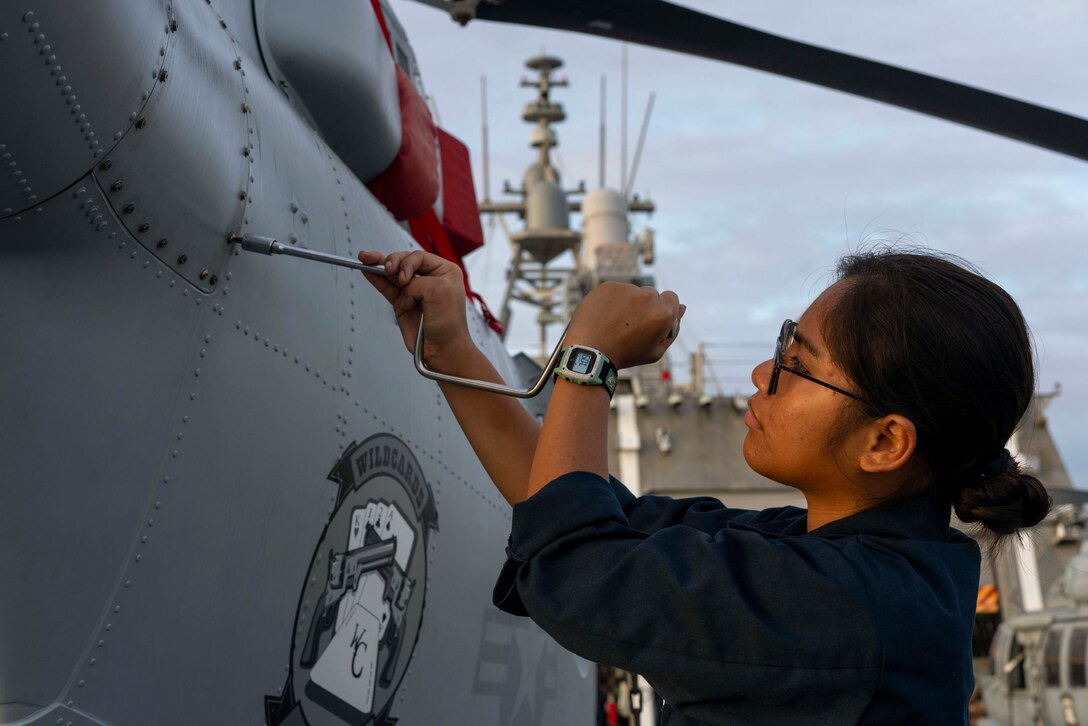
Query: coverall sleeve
(705,617)
(651,513)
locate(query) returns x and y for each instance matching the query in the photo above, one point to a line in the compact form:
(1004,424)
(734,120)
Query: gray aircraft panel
(88,453)
(237,523)
(188,530)
(60,715)
(66,116)
(238,17)
(193,128)
(333,58)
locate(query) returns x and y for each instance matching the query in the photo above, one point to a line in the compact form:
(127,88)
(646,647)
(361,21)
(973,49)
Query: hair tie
(996,467)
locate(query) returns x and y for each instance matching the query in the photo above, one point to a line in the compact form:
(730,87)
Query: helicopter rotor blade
(668,26)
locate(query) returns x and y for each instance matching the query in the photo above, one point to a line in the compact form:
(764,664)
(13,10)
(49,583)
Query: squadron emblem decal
(362,602)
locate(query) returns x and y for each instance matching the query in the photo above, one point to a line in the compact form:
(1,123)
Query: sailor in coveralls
(887,404)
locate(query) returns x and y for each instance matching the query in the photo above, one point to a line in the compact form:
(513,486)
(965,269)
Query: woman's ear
(889,444)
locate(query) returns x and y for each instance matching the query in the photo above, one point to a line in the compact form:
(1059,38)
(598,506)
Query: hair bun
(1007,502)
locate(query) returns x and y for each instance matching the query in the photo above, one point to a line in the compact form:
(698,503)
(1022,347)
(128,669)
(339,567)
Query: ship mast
(544,206)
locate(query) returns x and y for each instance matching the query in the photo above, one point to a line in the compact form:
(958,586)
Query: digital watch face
(581,361)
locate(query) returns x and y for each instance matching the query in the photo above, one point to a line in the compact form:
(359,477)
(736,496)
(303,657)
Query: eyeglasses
(785,340)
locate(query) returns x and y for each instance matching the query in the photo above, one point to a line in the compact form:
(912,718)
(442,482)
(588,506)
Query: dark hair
(926,336)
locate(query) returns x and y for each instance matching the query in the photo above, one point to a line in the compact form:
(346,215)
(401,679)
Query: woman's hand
(439,292)
(631,325)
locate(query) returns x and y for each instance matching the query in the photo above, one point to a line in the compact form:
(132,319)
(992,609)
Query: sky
(761,182)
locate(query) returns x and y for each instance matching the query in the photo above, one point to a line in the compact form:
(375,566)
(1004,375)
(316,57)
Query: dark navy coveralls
(742,617)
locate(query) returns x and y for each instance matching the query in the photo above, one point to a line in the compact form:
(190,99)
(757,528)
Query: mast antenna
(641,140)
(600,183)
(623,121)
(483,117)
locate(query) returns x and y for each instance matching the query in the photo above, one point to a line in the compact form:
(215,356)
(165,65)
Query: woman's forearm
(574,436)
(502,433)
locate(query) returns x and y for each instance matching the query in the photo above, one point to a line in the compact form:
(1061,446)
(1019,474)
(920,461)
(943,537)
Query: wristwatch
(587,367)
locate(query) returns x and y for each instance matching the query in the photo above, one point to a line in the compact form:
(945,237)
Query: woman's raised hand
(631,325)
(439,292)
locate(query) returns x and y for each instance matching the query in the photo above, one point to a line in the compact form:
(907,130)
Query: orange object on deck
(988,600)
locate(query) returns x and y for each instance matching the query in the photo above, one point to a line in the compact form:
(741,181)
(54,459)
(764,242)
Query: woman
(887,405)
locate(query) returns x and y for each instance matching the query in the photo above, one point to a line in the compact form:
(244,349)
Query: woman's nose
(761,375)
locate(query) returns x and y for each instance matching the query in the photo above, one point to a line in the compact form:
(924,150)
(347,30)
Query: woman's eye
(794,362)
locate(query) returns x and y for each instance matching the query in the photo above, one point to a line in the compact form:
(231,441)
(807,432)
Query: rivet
(129,208)
(245,151)
(144,227)
(173,29)
(116,608)
(182,259)
(214,280)
(204,274)
(109,627)
(105,165)
(222,23)
(128,583)
(141,122)
(242,194)
(237,64)
(82,683)
(162,243)
(162,75)
(139,557)
(245,107)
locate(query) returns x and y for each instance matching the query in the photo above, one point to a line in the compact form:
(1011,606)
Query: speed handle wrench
(269,246)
